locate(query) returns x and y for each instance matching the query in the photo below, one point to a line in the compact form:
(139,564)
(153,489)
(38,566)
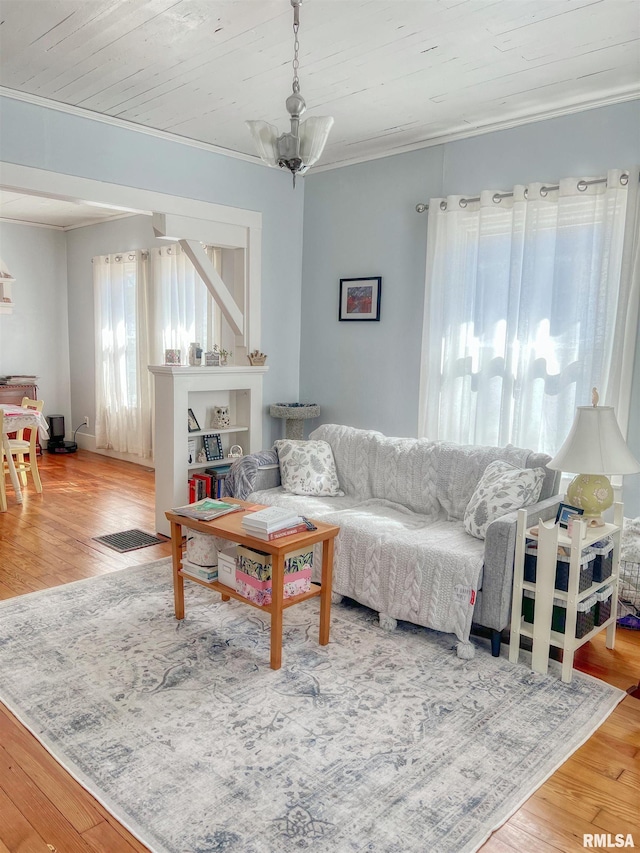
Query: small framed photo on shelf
(360,298)
(194,426)
(565,513)
(213,447)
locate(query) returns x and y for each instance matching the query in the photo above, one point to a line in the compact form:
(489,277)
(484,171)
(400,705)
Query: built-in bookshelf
(201,389)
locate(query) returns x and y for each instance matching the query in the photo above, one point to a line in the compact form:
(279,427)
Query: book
(270,519)
(278,534)
(274,528)
(206,509)
(203,573)
(208,485)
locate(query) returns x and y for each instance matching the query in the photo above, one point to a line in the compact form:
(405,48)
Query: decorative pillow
(307,468)
(501,489)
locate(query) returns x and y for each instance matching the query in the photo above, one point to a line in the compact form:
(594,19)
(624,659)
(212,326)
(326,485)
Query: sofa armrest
(499,553)
(251,473)
(267,477)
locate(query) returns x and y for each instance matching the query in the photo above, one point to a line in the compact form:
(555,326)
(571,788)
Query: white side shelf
(550,536)
(177,389)
(6,302)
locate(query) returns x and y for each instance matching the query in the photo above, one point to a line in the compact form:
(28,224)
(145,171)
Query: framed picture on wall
(213,447)
(360,298)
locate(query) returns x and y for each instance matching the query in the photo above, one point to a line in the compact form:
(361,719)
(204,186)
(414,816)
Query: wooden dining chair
(21,447)
(3,488)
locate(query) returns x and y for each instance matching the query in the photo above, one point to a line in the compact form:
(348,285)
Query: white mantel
(179,388)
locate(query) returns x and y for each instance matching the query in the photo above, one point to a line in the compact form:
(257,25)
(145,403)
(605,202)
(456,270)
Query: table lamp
(595,444)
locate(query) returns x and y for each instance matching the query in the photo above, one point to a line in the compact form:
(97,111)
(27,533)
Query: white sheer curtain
(123,382)
(531,300)
(183,309)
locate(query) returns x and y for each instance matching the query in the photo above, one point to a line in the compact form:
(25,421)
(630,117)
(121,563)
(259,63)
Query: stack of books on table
(273,523)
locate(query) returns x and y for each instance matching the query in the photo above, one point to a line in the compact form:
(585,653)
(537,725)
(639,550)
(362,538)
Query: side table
(230,527)
(543,591)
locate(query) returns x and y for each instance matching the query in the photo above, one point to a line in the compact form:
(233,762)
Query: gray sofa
(402,548)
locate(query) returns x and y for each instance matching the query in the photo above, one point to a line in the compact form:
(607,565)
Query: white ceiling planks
(393,73)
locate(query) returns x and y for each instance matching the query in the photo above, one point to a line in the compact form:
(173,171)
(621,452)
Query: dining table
(17,418)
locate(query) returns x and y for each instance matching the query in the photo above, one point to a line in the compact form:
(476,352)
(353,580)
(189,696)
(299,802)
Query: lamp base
(592,493)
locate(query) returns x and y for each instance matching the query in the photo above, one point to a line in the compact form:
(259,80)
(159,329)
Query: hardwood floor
(48,541)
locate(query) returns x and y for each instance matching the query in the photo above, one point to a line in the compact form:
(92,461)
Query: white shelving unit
(550,536)
(178,389)
(6,301)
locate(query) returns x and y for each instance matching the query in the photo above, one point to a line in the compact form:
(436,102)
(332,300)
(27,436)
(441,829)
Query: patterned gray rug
(378,742)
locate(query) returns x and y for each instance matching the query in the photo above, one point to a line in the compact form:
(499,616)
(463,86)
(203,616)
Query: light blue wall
(361,220)
(34,338)
(34,136)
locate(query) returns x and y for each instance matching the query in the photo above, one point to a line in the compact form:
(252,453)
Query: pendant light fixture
(303,146)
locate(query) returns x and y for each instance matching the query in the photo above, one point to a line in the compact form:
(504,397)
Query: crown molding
(493,127)
(9,221)
(81,112)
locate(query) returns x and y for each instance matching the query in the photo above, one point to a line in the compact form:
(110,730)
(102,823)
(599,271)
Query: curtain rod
(581,186)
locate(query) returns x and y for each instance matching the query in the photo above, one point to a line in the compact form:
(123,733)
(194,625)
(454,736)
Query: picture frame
(360,298)
(566,512)
(194,426)
(213,447)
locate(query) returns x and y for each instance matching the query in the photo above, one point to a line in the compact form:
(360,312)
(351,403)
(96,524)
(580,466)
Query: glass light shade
(265,136)
(272,146)
(314,133)
(594,445)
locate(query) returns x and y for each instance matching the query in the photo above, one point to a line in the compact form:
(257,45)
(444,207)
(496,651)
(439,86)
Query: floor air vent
(129,540)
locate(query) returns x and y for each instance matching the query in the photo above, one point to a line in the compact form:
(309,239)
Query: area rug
(379,742)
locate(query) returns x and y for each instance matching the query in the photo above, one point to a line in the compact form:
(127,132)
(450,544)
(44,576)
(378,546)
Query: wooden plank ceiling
(393,73)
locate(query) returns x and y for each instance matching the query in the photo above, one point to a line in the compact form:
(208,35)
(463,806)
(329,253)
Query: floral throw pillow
(501,489)
(307,468)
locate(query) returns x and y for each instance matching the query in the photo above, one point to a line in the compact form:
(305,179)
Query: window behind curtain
(184,310)
(522,303)
(141,309)
(123,383)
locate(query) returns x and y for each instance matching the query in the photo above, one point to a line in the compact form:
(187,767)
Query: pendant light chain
(301,147)
(296,48)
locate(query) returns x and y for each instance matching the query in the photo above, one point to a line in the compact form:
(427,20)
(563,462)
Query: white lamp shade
(595,445)
(314,133)
(265,136)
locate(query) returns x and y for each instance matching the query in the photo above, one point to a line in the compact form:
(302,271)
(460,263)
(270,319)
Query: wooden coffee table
(230,527)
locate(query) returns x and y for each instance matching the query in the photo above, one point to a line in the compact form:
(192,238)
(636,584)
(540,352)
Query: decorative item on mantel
(256,358)
(235,452)
(223,353)
(195,354)
(294,414)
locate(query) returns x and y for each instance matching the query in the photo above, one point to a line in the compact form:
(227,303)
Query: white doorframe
(220,219)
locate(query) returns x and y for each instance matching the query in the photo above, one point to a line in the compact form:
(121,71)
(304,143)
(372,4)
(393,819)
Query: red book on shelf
(192,490)
(208,484)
